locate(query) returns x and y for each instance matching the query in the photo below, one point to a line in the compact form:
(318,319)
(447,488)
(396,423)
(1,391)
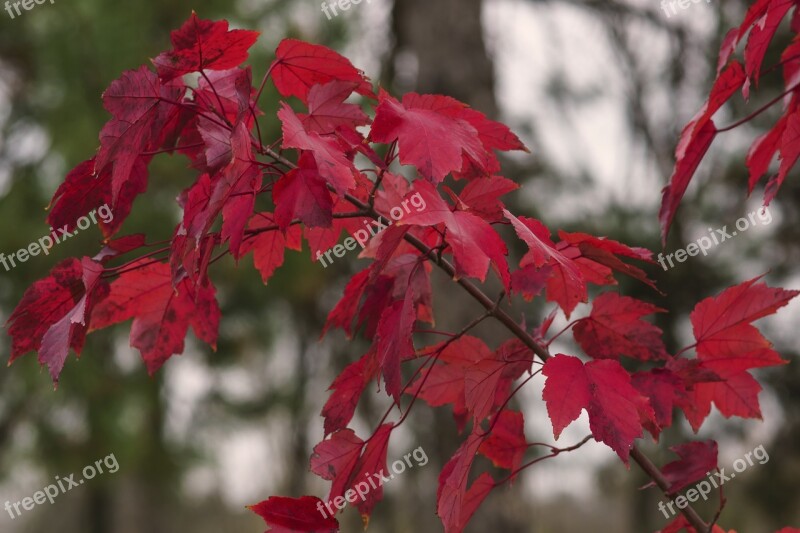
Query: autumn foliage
(347,155)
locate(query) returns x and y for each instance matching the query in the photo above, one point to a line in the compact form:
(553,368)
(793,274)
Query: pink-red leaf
(456,502)
(329,155)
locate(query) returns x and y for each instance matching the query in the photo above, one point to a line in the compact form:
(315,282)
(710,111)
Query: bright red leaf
(299,66)
(604,389)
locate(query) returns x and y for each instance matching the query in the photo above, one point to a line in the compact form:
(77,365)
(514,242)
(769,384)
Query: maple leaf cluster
(760,25)
(348,156)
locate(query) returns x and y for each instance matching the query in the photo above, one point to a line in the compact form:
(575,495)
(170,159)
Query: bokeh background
(599,89)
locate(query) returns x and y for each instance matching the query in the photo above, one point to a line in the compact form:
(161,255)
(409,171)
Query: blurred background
(599,90)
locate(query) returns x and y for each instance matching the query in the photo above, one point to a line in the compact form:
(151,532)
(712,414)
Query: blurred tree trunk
(443,42)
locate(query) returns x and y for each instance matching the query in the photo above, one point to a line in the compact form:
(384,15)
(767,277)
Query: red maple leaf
(295,515)
(329,154)
(615,328)
(372,466)
(301,194)
(299,66)
(430,132)
(141,109)
(468,375)
(482,197)
(83,191)
(327,110)
(347,389)
(664,389)
(759,39)
(204,44)
(335,459)
(53,315)
(728,345)
(506,444)
(268,245)
(695,140)
(161,313)
(235,190)
(604,389)
(566,283)
(697,459)
(456,500)
(395,341)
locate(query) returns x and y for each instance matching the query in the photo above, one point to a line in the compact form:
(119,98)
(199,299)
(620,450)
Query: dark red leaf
(204,44)
(161,313)
(301,194)
(139,105)
(615,328)
(295,515)
(697,459)
(53,315)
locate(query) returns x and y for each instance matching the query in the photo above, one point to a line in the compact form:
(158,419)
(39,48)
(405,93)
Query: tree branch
(642,460)
(494,310)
